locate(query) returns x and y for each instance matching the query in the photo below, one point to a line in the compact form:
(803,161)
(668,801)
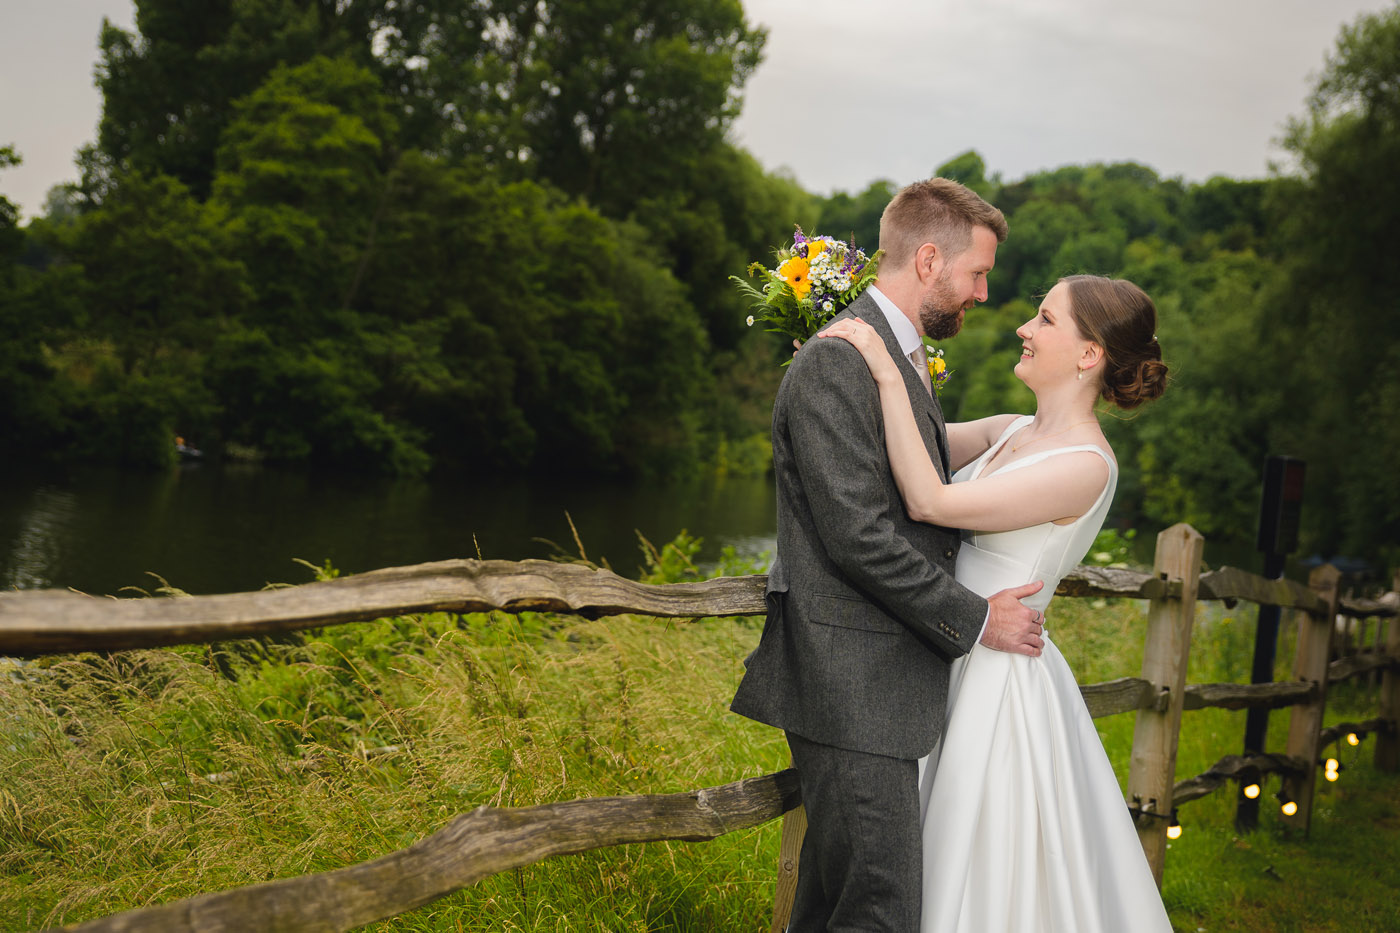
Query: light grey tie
(920,360)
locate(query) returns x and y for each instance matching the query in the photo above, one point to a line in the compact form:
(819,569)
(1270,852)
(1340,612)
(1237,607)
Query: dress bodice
(990,561)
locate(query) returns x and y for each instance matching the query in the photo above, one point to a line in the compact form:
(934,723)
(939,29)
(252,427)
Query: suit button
(948,553)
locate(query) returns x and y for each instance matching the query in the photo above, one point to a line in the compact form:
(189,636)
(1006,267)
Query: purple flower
(850,256)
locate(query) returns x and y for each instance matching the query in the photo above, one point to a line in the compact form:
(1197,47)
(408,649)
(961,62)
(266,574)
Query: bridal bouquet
(813,279)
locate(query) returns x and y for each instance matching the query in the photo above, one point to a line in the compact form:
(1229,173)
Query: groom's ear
(929,261)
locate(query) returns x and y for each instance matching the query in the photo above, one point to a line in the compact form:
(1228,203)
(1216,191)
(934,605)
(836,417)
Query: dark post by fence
(1305,725)
(1279,511)
(1152,769)
(1388,740)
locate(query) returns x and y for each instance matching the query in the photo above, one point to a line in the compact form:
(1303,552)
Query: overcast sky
(850,92)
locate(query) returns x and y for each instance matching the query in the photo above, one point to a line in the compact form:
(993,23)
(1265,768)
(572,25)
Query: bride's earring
(1080,377)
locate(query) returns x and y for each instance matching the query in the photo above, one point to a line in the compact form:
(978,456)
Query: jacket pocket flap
(845,612)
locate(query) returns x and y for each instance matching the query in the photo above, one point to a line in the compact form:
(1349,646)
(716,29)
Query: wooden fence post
(1382,627)
(1388,740)
(789,849)
(1315,631)
(1152,769)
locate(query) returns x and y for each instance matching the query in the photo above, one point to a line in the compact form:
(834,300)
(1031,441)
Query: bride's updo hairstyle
(1118,316)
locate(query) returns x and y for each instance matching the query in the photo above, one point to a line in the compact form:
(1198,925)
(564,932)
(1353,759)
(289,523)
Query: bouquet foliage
(811,281)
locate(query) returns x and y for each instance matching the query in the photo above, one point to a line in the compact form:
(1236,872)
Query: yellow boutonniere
(938,371)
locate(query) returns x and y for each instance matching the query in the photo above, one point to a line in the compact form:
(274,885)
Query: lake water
(209,529)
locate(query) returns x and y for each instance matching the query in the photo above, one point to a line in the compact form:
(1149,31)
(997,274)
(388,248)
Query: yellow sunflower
(794,272)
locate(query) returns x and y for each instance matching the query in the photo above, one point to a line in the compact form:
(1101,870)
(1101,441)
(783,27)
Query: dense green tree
(845,216)
(1232,210)
(25,390)
(970,169)
(713,231)
(549,331)
(167,89)
(11,239)
(610,100)
(134,295)
(1337,326)
(304,172)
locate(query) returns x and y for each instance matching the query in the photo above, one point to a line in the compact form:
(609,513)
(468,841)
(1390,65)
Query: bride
(1023,823)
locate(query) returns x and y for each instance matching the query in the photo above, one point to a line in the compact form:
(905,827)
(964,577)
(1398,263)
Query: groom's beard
(941,312)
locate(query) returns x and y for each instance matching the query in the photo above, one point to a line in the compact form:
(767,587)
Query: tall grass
(147,776)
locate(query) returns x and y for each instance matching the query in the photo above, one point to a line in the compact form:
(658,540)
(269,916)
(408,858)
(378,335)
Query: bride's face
(1052,348)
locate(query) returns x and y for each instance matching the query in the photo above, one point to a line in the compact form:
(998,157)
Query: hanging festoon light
(1252,791)
(1174,826)
(1353,739)
(1331,769)
(1287,804)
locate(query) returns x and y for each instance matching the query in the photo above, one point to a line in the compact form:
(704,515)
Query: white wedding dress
(1025,829)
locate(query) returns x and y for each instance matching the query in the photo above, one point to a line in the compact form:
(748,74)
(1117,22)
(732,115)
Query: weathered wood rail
(470,847)
(487,841)
(50,621)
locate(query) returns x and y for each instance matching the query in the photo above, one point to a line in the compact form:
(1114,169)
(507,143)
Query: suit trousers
(861,862)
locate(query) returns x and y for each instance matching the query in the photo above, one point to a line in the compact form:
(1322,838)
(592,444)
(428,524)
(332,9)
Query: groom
(864,615)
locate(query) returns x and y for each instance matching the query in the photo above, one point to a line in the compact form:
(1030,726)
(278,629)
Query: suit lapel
(940,432)
(925,405)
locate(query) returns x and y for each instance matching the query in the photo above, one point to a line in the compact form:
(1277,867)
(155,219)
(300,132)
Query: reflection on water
(209,530)
(37,546)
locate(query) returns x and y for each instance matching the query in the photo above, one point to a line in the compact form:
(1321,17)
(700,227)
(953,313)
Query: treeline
(407,236)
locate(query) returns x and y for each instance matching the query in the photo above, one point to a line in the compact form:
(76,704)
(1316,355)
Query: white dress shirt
(904,332)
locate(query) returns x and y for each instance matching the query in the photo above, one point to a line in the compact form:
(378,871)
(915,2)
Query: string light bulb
(1174,827)
(1353,739)
(1251,791)
(1286,803)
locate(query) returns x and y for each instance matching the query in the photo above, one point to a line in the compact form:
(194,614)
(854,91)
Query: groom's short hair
(938,211)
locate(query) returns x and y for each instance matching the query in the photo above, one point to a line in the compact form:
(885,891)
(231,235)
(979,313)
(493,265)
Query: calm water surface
(208,529)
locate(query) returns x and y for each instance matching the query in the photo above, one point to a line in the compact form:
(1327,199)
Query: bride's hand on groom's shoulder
(1011,626)
(867,340)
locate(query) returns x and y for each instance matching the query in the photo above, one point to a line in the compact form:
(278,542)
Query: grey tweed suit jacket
(863,612)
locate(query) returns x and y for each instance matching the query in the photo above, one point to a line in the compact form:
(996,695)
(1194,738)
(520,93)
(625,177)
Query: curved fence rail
(470,847)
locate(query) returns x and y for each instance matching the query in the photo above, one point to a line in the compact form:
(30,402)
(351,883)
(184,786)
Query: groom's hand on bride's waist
(1011,626)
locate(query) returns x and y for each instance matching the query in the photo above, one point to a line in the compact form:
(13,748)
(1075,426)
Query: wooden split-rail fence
(490,840)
